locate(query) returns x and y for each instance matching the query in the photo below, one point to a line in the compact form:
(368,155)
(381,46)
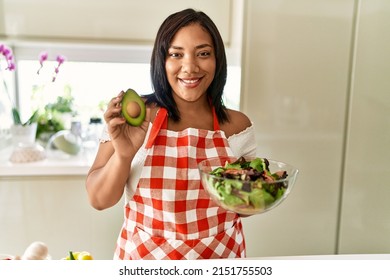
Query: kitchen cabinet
(315,82)
(295,80)
(55,210)
(103,20)
(365,219)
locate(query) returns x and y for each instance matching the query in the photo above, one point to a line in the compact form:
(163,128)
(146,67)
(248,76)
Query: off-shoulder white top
(241,144)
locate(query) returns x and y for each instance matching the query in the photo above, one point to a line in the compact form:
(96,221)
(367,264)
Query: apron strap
(158,123)
(161,122)
(216,123)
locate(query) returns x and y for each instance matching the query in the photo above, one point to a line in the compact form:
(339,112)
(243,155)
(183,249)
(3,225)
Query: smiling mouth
(190,81)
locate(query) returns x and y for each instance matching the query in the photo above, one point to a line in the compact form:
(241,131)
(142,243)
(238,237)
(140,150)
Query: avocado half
(133,108)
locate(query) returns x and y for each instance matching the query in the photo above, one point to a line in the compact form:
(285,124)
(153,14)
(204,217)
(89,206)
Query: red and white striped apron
(171,216)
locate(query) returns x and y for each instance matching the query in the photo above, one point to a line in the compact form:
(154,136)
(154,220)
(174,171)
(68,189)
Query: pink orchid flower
(42,58)
(60,59)
(9,57)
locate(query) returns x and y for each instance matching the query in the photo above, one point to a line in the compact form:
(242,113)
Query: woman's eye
(204,54)
(175,55)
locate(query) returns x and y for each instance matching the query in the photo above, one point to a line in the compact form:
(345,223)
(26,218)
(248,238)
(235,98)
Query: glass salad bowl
(247,186)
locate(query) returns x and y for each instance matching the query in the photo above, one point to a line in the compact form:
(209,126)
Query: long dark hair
(162,95)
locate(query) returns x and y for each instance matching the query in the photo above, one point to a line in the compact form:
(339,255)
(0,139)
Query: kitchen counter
(52,165)
(330,257)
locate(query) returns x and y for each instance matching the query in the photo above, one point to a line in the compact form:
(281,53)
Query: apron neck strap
(215,119)
(161,121)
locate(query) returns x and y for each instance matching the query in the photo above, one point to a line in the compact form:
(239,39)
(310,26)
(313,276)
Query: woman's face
(190,64)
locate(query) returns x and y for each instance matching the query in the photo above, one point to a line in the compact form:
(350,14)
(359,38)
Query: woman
(168,215)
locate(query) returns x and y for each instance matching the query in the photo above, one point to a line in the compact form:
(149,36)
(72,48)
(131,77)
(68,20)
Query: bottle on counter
(91,137)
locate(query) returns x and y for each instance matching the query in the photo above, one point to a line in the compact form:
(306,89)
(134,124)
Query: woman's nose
(190,65)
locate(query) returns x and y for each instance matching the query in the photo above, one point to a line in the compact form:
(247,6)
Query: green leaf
(258,164)
(232,200)
(32,119)
(217,171)
(16,116)
(233,165)
(260,198)
(18,121)
(280,193)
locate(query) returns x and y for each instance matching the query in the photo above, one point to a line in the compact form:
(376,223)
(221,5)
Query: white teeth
(190,81)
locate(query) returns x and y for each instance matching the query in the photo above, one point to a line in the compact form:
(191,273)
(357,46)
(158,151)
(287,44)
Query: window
(91,84)
(92,76)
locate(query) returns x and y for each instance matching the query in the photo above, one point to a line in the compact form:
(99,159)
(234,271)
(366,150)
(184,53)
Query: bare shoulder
(153,108)
(237,123)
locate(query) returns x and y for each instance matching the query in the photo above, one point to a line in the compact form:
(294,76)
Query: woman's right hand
(126,139)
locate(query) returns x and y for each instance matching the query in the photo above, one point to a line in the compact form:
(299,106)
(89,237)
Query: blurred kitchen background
(313,75)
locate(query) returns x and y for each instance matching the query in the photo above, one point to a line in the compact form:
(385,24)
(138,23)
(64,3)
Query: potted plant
(55,116)
(23,131)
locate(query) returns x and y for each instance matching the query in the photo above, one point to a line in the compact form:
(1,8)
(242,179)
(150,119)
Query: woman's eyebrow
(203,46)
(197,47)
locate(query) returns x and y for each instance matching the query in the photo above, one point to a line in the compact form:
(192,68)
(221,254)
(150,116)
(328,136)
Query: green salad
(247,184)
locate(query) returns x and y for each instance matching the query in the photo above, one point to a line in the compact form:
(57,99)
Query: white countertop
(330,257)
(52,165)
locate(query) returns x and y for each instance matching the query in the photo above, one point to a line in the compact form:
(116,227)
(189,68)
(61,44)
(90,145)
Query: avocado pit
(133,109)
